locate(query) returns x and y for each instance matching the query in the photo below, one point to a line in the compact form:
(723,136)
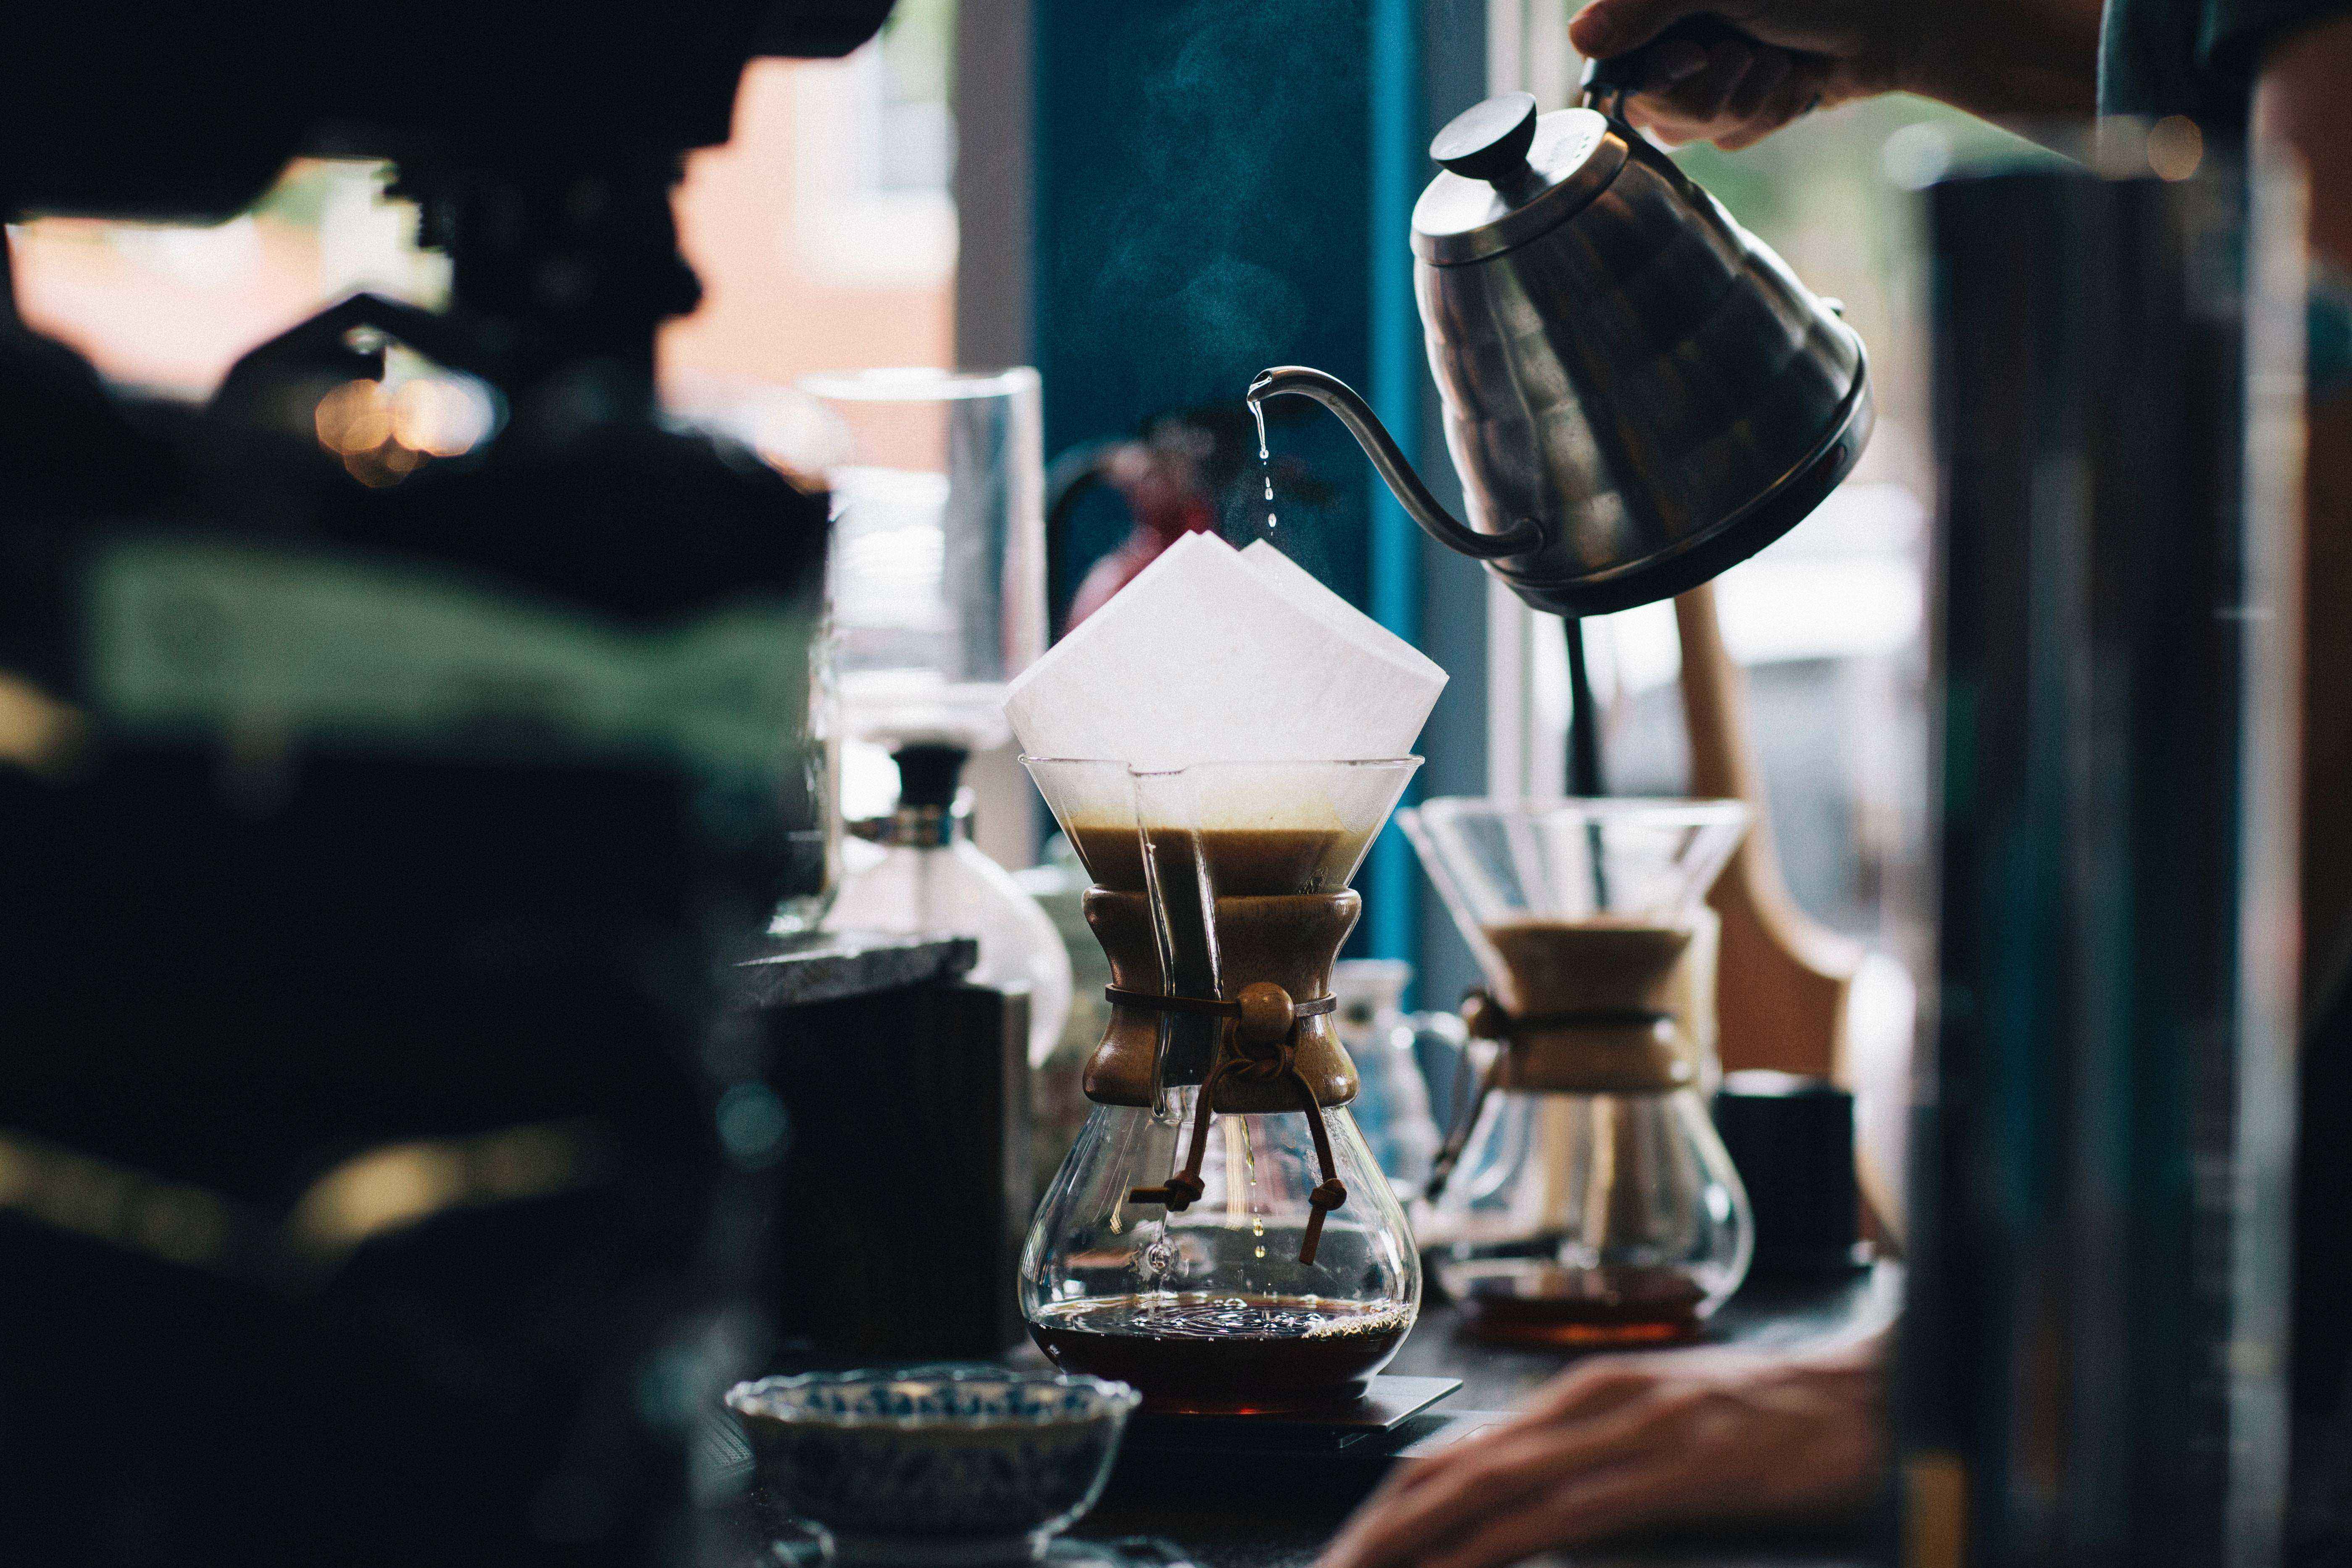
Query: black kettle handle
(1607,83)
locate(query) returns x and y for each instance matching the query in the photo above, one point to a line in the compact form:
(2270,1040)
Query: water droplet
(1261,1252)
(1159,1258)
(1265,462)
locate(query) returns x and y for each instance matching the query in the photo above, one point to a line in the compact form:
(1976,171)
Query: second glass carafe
(1587,1200)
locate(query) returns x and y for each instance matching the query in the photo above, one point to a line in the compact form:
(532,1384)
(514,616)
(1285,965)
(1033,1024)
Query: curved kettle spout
(1357,415)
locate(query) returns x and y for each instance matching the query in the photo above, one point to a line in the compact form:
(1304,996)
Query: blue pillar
(1224,184)
(1392,887)
(1201,214)
(1453,600)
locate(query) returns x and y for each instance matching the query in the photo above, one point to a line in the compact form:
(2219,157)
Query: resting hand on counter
(1632,1443)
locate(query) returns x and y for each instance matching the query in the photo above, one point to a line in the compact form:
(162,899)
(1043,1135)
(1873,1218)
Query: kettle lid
(1510,174)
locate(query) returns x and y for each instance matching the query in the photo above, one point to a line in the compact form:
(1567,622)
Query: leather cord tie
(1263,1045)
(1488,1019)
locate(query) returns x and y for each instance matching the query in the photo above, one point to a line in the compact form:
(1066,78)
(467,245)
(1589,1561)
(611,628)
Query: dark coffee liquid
(1197,1353)
(1539,1303)
(1243,863)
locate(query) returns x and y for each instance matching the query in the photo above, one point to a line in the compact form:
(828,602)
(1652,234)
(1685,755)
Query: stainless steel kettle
(1638,392)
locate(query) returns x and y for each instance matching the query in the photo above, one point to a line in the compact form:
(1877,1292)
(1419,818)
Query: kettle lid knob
(1490,140)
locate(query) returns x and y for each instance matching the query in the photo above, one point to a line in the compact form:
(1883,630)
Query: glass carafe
(938,572)
(1220,1237)
(1392,1110)
(1586,1199)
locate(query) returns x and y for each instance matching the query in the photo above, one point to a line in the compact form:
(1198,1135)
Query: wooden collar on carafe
(1277,1054)
(1603,1023)
(1261,1046)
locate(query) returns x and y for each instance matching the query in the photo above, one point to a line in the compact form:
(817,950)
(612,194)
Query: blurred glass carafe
(1391,1105)
(937,591)
(939,562)
(1584,1198)
(1220,1237)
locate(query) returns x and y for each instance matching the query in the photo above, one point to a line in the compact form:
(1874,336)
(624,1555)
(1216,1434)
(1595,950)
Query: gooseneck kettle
(1638,392)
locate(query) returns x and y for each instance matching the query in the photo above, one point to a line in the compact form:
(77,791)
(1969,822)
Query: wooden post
(1783,977)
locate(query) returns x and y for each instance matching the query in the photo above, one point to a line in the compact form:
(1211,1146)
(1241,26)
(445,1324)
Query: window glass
(824,232)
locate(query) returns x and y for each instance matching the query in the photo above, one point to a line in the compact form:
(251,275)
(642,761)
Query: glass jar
(1592,1219)
(937,574)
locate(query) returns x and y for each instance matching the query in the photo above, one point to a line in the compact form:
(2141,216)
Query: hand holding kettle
(1734,71)
(1736,83)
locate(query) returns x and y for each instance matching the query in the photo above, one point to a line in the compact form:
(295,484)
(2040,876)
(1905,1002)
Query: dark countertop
(1287,1530)
(1766,1314)
(1298,1507)
(847,963)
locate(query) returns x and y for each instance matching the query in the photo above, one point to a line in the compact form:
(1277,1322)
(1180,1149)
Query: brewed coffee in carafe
(1220,1237)
(1586,1199)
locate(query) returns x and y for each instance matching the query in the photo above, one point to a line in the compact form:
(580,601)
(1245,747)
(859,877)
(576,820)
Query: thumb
(1606,28)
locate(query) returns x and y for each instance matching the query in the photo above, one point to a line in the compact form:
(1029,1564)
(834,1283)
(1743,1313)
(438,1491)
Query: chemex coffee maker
(1639,394)
(1220,1237)
(382,802)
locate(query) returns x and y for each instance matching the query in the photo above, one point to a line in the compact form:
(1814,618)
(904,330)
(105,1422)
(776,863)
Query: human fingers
(1583,1392)
(1673,60)
(1592,1388)
(1704,95)
(1412,1509)
(1568,1419)
(1606,28)
(1771,68)
(1611,1503)
(1486,1474)
(1693,107)
(1798,94)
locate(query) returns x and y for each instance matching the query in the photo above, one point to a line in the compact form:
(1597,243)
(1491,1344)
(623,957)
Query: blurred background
(1133,210)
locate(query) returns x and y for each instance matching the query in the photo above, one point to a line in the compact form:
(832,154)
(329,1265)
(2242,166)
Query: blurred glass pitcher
(1638,392)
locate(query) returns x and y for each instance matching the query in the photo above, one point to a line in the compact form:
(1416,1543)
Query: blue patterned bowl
(943,1465)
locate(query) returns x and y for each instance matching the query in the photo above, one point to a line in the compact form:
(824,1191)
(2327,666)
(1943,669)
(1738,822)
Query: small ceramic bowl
(947,1464)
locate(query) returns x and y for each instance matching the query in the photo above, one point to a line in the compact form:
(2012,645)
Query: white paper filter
(1213,655)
